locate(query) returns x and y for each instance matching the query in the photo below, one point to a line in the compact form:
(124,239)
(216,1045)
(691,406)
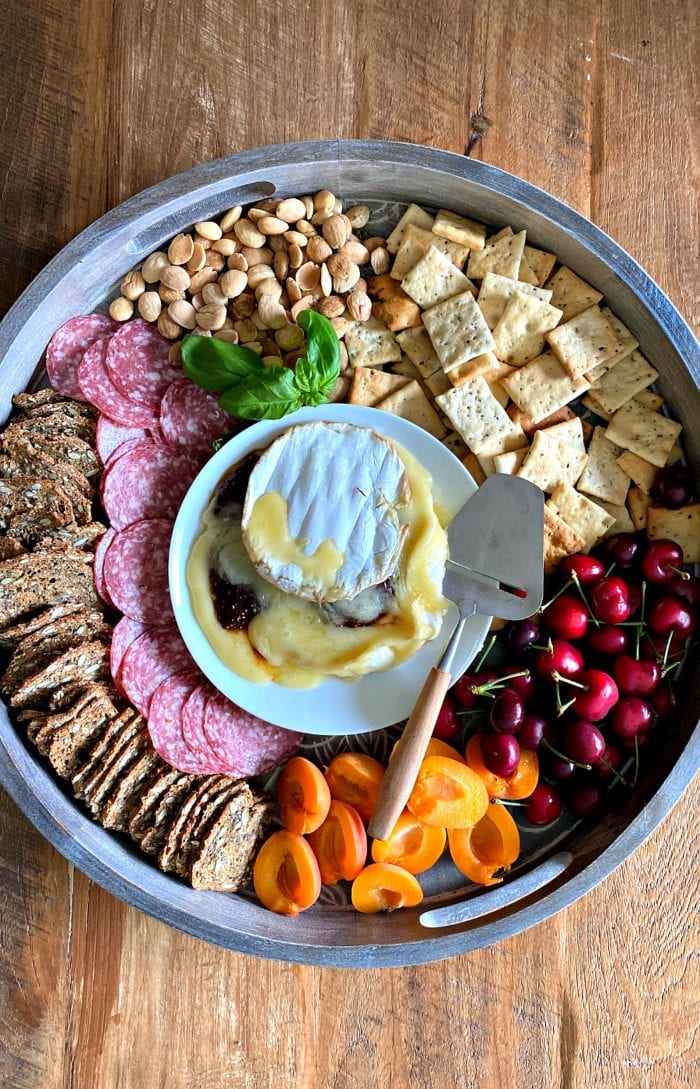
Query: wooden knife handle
(401,774)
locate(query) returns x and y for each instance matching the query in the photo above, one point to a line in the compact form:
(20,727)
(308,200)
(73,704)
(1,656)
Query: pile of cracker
(55,640)
(487,342)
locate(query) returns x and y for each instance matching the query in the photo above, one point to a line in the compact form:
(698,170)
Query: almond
(132,286)
(272,289)
(272,225)
(246,329)
(229,335)
(335,232)
(258,273)
(229,218)
(326,282)
(233,282)
(204,276)
(175,277)
(198,259)
(242,307)
(167,327)
(208,229)
(324,201)
(215,260)
(359,305)
(226,246)
(358,216)
(150,305)
(305,228)
(308,276)
(281,265)
(289,337)
(356,251)
(332,307)
(237,262)
(293,292)
(380,260)
(213,295)
(169,294)
(318,249)
(291,209)
(183,313)
(121,309)
(153,266)
(304,303)
(344,272)
(248,235)
(180,249)
(261,256)
(211,317)
(296,256)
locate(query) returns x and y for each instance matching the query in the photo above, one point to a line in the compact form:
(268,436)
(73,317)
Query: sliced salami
(124,634)
(138,364)
(164,722)
(191,416)
(99,389)
(111,435)
(150,659)
(67,347)
(99,563)
(247,744)
(149,480)
(192,725)
(136,571)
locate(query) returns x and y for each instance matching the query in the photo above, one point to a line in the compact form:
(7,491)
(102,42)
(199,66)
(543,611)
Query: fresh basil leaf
(322,349)
(306,376)
(266,395)
(217,365)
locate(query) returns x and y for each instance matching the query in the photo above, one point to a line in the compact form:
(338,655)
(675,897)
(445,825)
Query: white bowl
(335,706)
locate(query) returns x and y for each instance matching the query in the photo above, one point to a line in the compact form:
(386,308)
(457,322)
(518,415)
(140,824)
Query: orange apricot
(448,794)
(492,844)
(303,796)
(355,778)
(413,844)
(436,747)
(286,875)
(381,886)
(340,844)
(518,785)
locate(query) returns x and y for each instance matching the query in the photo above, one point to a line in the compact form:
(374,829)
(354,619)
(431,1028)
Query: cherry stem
(490,687)
(561,679)
(562,756)
(610,569)
(487,650)
(562,708)
(563,590)
(638,635)
(549,647)
(636,760)
(577,583)
(667,649)
(685,575)
(614,771)
(515,805)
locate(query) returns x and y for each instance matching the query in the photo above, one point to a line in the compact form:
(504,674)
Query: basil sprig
(251,390)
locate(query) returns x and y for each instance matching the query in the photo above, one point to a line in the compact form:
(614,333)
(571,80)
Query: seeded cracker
(592,405)
(419,348)
(458,330)
(638,503)
(519,334)
(648,434)
(416,242)
(551,461)
(643,473)
(433,279)
(603,477)
(569,431)
(585,341)
(627,378)
(652,401)
(502,256)
(458,229)
(411,404)
(510,463)
(559,540)
(681,525)
(370,386)
(415,215)
(585,517)
(543,386)
(483,424)
(497,390)
(496,291)
(437,383)
(481,364)
(407,369)
(371,344)
(622,522)
(540,262)
(572,294)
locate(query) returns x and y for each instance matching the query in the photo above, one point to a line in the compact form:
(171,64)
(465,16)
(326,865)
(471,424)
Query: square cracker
(510,462)
(370,386)
(587,518)
(570,431)
(481,364)
(415,215)
(642,472)
(675,454)
(496,291)
(682,525)
(551,461)
(543,386)
(561,415)
(526,273)
(411,404)
(627,378)
(437,383)
(603,477)
(519,334)
(419,348)
(371,344)
(500,254)
(433,279)
(481,421)
(406,368)
(415,243)
(650,400)
(628,339)
(592,405)
(559,540)
(541,262)
(648,434)
(458,229)
(623,523)
(585,341)
(638,503)
(458,330)
(572,294)
(497,390)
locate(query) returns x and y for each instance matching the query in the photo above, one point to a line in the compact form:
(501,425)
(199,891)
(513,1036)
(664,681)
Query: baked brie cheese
(322,556)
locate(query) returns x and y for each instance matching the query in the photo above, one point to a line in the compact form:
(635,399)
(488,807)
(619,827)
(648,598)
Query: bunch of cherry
(586,678)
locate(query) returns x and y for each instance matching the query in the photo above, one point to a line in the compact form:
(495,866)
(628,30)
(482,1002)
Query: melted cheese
(269,533)
(291,641)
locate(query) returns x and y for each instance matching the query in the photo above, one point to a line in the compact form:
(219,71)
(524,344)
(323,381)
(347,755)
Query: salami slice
(67,347)
(192,725)
(191,416)
(99,389)
(99,563)
(136,571)
(150,659)
(247,744)
(111,435)
(138,364)
(124,634)
(164,719)
(149,480)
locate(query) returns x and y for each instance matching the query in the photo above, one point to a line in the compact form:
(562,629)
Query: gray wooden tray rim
(82,275)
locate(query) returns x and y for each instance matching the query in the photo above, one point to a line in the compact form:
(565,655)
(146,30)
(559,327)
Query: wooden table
(591,100)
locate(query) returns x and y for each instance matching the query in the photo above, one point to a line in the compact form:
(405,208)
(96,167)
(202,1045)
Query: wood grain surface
(594,101)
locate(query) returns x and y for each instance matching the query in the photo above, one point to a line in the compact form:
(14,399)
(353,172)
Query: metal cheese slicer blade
(495,569)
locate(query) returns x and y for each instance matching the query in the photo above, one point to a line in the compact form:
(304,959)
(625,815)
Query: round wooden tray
(86,273)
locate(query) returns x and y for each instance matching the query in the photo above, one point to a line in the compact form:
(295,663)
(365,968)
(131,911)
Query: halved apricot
(340,844)
(384,887)
(355,778)
(518,785)
(413,844)
(303,796)
(436,747)
(492,844)
(286,876)
(448,794)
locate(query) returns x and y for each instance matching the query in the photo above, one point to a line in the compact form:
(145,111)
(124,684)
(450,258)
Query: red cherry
(501,753)
(673,487)
(558,768)
(653,646)
(543,805)
(464,688)
(587,568)
(525,685)
(609,641)
(587,801)
(671,613)
(610,601)
(567,617)
(447,724)
(583,742)
(634,597)
(609,762)
(522,635)
(636,677)
(687,588)
(639,741)
(662,560)
(663,700)
(564,658)
(507,712)
(622,548)
(631,716)
(600,696)
(534,729)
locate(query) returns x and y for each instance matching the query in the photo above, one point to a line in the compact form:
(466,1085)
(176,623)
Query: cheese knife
(494,569)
